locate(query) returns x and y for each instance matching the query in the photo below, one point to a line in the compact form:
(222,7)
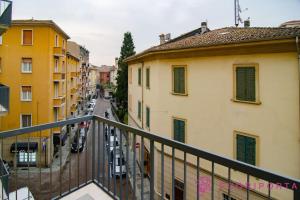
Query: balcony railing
(5,15)
(59,51)
(4,99)
(173,168)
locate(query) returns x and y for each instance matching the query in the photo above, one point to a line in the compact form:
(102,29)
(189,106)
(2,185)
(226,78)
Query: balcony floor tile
(89,192)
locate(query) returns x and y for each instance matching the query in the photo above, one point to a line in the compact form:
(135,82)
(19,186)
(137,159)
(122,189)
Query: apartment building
(230,91)
(73,79)
(93,77)
(84,64)
(33,66)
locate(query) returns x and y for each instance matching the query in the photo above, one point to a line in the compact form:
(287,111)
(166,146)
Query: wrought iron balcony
(5,15)
(175,170)
(4,100)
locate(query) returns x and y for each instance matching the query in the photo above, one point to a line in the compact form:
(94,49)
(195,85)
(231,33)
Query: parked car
(111,142)
(117,162)
(79,141)
(112,132)
(22,193)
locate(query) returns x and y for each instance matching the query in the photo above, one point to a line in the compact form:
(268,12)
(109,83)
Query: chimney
(247,23)
(203,27)
(162,38)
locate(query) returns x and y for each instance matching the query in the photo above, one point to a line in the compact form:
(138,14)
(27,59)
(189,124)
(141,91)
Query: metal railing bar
(247,186)
(142,168)
(70,158)
(184,176)
(198,178)
(121,157)
(78,163)
(113,162)
(93,149)
(16,170)
(108,157)
(224,161)
(173,173)
(86,151)
(134,165)
(98,151)
(2,185)
(151,169)
(28,173)
(269,191)
(127,168)
(229,183)
(212,181)
(51,161)
(103,154)
(15,132)
(162,171)
(60,162)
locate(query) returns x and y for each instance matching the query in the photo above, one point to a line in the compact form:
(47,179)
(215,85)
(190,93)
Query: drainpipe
(298,54)
(142,84)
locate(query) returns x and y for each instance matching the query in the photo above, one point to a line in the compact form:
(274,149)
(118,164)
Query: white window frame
(29,97)
(56,90)
(22,67)
(1,40)
(56,40)
(56,65)
(31,37)
(21,117)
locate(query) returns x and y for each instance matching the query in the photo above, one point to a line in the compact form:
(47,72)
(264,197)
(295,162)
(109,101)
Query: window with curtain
(26,94)
(246,149)
(26,65)
(179,82)
(245,84)
(179,130)
(27,37)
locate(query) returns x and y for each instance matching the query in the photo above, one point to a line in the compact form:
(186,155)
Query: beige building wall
(211,115)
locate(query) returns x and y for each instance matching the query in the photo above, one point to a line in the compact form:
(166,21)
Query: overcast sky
(99,25)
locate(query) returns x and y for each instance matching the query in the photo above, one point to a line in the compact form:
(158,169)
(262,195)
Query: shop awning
(23,146)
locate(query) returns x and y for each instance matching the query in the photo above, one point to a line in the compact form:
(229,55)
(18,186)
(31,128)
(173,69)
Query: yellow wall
(41,78)
(212,117)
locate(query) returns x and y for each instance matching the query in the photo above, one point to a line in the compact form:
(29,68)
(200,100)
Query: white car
(22,194)
(117,162)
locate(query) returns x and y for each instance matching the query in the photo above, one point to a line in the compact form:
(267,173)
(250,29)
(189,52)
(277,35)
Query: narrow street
(75,172)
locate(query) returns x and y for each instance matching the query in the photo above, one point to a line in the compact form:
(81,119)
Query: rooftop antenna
(237,12)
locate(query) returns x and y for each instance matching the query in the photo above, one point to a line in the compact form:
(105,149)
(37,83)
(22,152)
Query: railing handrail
(222,160)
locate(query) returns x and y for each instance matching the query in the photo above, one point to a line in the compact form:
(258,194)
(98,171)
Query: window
(1,39)
(26,157)
(27,37)
(148,77)
(63,67)
(55,114)
(56,41)
(55,90)
(26,65)
(25,120)
(226,197)
(246,149)
(179,80)
(139,109)
(245,83)
(148,117)
(179,130)
(26,94)
(63,44)
(0,65)
(56,65)
(140,76)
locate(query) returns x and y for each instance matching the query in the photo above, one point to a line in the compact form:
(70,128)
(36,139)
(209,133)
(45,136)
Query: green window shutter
(148,117)
(250,151)
(139,76)
(245,83)
(240,148)
(179,130)
(148,78)
(179,80)
(139,110)
(246,149)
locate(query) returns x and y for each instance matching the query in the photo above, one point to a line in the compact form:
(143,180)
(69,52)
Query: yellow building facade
(208,106)
(33,61)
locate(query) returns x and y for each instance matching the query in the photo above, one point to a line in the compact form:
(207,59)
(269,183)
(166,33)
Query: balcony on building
(73,90)
(73,74)
(58,101)
(4,100)
(90,174)
(59,51)
(5,15)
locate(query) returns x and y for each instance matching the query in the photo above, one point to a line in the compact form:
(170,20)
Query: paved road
(76,171)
